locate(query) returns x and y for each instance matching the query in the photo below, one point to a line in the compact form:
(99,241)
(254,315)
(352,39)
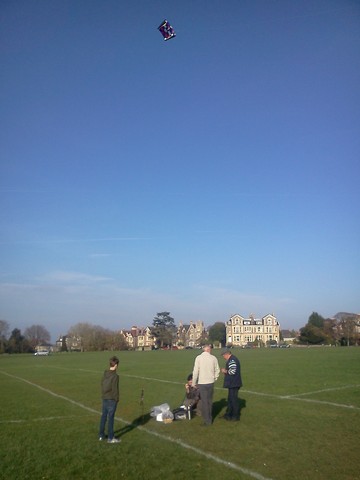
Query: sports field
(300,417)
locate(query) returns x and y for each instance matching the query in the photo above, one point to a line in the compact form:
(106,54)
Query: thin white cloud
(72,277)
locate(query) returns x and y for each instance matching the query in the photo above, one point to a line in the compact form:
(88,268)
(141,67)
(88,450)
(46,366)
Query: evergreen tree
(316,320)
(17,343)
(217,333)
(164,329)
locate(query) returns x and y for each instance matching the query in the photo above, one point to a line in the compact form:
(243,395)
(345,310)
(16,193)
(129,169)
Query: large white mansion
(240,331)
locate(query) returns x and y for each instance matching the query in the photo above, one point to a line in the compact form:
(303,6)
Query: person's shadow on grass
(242,404)
(219,405)
(138,422)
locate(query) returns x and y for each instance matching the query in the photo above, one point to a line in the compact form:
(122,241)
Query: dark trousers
(206,395)
(233,407)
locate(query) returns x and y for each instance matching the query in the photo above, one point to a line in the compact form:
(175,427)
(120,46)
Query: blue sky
(213,174)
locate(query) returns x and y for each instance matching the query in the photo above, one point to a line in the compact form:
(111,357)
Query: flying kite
(166,30)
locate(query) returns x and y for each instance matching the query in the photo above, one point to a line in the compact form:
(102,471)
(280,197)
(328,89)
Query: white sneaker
(114,440)
(101,439)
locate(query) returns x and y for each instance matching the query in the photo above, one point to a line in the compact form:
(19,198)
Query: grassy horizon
(300,417)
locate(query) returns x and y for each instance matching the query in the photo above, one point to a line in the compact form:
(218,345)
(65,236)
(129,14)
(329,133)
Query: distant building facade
(287,336)
(191,335)
(139,338)
(68,343)
(43,348)
(187,335)
(241,331)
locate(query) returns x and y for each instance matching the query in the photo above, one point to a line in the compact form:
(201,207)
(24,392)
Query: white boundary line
(281,397)
(270,395)
(44,419)
(323,402)
(344,387)
(207,455)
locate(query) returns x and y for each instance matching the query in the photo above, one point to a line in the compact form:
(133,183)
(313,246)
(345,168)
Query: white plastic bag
(162,413)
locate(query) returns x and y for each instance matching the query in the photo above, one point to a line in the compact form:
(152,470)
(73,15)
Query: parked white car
(42,352)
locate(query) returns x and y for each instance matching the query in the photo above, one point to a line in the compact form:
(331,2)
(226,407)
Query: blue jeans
(108,413)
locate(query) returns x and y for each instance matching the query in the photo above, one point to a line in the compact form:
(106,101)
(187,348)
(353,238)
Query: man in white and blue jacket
(233,382)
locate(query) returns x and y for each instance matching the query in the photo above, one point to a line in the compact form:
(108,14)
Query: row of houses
(187,335)
(240,331)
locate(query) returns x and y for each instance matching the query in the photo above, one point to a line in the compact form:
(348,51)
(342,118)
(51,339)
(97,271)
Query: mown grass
(300,417)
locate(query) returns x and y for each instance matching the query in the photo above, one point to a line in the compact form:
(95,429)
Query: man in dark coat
(233,382)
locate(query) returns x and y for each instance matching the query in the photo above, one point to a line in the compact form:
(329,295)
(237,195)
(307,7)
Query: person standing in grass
(110,398)
(233,382)
(205,373)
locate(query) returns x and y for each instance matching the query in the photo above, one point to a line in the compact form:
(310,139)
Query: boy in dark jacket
(233,382)
(192,396)
(110,398)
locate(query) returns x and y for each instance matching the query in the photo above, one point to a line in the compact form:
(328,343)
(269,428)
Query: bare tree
(348,325)
(96,337)
(4,330)
(85,332)
(37,335)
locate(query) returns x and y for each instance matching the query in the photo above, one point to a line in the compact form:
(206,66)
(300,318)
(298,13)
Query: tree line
(342,330)
(318,330)
(95,337)
(18,343)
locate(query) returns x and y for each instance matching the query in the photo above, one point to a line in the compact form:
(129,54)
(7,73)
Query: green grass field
(300,417)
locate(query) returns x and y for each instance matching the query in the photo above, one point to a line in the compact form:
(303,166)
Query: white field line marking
(309,400)
(322,391)
(44,419)
(323,402)
(270,395)
(207,455)
(282,397)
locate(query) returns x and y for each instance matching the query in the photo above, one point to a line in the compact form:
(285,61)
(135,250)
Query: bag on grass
(162,413)
(180,413)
